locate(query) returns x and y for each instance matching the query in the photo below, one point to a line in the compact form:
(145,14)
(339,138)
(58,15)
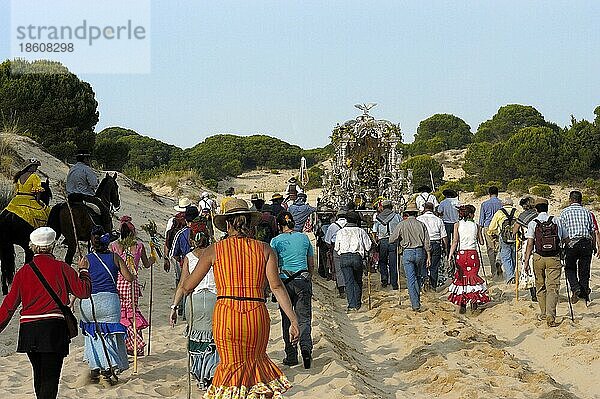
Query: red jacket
(27,289)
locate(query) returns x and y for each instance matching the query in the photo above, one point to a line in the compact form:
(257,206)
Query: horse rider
(27,203)
(82,184)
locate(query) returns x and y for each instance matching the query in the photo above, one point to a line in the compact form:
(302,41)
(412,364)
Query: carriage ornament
(366,164)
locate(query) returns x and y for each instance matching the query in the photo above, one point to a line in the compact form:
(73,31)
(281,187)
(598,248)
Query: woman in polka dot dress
(468,286)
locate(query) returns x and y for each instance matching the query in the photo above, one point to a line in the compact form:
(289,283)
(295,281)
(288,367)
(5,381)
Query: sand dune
(386,352)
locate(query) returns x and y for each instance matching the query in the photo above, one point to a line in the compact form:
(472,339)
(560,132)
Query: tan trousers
(547,270)
(491,246)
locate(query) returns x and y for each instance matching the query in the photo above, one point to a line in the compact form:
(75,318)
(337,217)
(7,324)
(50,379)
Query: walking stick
(369,280)
(189,362)
(516,273)
(150,228)
(481,263)
(398,258)
(96,326)
(131,265)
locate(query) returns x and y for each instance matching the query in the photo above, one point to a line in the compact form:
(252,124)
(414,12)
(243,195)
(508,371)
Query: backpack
(545,238)
(506,230)
(170,236)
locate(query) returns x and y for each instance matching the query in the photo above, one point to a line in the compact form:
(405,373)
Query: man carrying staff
(385,223)
(413,239)
(580,233)
(543,235)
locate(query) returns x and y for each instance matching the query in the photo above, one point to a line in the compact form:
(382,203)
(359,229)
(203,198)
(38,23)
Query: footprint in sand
(452,333)
(166,391)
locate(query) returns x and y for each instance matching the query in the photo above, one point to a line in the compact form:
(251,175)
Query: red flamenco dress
(468,286)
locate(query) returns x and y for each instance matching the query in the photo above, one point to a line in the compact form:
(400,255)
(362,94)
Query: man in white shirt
(425,196)
(352,243)
(438,239)
(329,239)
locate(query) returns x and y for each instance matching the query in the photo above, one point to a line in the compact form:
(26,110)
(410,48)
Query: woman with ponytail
(468,286)
(199,310)
(296,263)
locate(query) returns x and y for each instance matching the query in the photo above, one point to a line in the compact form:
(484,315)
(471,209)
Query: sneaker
(462,309)
(511,281)
(290,362)
(306,359)
(351,310)
(396,288)
(541,317)
(95,375)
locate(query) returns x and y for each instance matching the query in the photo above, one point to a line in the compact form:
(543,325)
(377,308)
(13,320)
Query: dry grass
(7,155)
(175,180)
(6,192)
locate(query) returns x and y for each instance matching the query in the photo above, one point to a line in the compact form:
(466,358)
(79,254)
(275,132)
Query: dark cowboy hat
(191,213)
(235,206)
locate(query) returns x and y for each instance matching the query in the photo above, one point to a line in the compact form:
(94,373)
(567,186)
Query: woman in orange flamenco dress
(241,324)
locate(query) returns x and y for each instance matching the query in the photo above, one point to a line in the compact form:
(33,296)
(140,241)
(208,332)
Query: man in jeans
(352,243)
(508,245)
(437,238)
(413,240)
(546,265)
(486,213)
(580,232)
(384,224)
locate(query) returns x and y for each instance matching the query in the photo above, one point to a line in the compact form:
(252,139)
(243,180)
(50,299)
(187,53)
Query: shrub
(518,186)
(541,190)
(421,165)
(468,183)
(274,172)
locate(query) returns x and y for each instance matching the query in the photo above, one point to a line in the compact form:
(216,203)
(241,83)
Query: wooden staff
(153,254)
(369,279)
(516,272)
(131,265)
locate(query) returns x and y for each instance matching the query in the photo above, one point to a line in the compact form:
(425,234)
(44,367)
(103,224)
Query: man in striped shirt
(580,231)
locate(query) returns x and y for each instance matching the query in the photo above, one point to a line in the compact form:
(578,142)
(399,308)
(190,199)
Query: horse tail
(54,219)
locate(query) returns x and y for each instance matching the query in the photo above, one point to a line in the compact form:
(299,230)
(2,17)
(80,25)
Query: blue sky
(293,69)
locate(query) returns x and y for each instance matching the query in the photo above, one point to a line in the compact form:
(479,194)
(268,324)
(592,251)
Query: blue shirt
(577,222)
(448,209)
(181,243)
(103,280)
(292,251)
(487,211)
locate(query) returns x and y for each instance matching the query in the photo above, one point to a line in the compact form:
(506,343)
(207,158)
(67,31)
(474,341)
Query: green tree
(477,157)
(441,132)
(112,155)
(508,120)
(581,149)
(534,152)
(421,166)
(52,105)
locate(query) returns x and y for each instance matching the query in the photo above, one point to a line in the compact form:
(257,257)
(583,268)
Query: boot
(306,359)
(342,292)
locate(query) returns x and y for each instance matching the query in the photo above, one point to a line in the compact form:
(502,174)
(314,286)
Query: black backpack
(506,230)
(545,238)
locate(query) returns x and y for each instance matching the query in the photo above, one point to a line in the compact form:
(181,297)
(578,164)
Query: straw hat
(276,196)
(43,236)
(412,207)
(235,206)
(184,202)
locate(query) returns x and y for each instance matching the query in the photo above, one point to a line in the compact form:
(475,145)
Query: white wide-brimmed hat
(184,202)
(43,236)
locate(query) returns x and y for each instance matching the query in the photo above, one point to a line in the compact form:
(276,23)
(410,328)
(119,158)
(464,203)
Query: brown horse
(60,216)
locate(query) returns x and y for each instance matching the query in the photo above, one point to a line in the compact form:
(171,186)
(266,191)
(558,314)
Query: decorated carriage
(367,164)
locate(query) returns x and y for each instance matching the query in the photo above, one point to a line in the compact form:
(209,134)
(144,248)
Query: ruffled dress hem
(274,389)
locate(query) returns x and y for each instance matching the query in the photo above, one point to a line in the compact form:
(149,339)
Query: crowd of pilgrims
(229,259)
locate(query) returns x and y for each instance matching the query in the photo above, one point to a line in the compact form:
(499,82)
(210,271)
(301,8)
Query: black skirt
(44,336)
